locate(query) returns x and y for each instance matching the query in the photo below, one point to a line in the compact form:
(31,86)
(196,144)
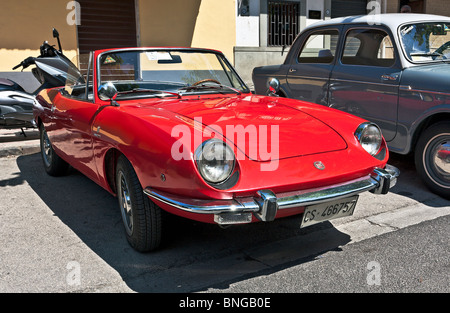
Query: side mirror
(274,87)
(108,91)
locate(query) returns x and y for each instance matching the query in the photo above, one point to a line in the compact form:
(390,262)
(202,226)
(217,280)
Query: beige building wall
(189,23)
(25,24)
(438,7)
(392,6)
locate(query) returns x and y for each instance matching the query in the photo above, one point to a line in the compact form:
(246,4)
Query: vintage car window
(426,42)
(320,47)
(77,76)
(368,47)
(134,71)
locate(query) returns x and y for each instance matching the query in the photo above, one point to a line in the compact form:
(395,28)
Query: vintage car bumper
(266,204)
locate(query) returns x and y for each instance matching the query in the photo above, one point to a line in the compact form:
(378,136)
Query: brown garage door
(106,24)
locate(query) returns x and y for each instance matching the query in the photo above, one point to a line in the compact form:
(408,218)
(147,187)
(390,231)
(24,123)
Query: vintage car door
(73,114)
(365,80)
(311,61)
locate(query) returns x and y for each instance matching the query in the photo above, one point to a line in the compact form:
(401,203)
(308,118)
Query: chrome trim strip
(204,206)
(409,88)
(311,77)
(379,182)
(361,82)
(324,195)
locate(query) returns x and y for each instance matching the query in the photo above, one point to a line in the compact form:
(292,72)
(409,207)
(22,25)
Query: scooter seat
(7,84)
(6,81)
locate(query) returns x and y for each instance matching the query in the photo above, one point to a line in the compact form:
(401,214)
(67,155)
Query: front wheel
(141,217)
(432,158)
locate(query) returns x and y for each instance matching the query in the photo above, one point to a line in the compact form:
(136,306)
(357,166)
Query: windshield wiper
(200,87)
(426,54)
(152,91)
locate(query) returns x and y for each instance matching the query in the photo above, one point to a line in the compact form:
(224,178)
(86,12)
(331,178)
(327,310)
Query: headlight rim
(197,158)
(359,134)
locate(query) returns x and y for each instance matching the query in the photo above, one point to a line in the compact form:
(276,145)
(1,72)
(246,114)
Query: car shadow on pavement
(410,185)
(194,256)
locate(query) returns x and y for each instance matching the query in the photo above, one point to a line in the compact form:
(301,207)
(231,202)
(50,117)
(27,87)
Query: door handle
(292,70)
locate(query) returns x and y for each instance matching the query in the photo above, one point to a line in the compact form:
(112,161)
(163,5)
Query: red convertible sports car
(177,130)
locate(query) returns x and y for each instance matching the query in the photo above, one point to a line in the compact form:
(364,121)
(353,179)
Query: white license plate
(329,210)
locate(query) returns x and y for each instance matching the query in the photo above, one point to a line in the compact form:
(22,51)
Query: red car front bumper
(266,204)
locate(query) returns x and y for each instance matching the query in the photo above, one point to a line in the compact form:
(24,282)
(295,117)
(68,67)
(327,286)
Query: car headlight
(215,161)
(370,137)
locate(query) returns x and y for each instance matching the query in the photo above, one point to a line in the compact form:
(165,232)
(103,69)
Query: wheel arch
(38,122)
(110,163)
(427,122)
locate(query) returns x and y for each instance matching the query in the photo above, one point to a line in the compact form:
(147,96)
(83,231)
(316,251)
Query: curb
(13,142)
(19,150)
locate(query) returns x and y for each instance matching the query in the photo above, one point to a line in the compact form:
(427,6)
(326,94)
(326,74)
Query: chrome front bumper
(266,204)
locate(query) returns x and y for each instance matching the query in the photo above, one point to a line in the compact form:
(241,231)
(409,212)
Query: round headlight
(215,161)
(370,138)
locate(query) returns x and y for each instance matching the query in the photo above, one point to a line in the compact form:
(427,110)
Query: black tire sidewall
(146,216)
(56,166)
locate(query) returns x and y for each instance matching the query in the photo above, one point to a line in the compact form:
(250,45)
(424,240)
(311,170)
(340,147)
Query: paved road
(65,235)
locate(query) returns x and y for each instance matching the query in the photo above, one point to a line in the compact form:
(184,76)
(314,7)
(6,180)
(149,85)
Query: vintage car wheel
(141,217)
(53,164)
(431,158)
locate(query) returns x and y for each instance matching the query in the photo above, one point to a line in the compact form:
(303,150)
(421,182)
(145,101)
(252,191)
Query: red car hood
(298,133)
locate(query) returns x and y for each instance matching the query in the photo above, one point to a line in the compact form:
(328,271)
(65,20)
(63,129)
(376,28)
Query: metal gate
(283,23)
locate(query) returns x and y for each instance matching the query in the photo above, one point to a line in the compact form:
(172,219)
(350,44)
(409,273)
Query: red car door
(72,135)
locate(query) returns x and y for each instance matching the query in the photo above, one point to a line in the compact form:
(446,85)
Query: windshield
(426,42)
(157,73)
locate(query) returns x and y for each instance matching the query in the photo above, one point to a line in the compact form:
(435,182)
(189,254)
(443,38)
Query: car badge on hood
(319,165)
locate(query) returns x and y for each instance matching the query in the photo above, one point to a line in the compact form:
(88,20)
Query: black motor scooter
(52,70)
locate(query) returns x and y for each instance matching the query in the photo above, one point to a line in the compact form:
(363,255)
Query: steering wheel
(205,81)
(442,48)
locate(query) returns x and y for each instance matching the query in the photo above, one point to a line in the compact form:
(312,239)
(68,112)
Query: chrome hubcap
(125,204)
(439,160)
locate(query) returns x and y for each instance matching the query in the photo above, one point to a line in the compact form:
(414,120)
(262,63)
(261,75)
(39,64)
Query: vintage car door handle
(97,132)
(292,70)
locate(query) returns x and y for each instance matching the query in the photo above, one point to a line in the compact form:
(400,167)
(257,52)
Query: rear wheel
(141,217)
(53,164)
(432,158)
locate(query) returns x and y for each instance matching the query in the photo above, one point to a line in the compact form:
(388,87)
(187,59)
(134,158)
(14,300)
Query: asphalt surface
(414,259)
(65,235)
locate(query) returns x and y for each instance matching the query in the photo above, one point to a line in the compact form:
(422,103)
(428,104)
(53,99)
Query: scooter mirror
(56,35)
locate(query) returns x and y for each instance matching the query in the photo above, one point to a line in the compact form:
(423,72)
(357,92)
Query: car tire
(141,217)
(53,164)
(431,167)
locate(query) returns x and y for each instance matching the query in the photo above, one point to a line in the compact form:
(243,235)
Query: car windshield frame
(230,81)
(428,55)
